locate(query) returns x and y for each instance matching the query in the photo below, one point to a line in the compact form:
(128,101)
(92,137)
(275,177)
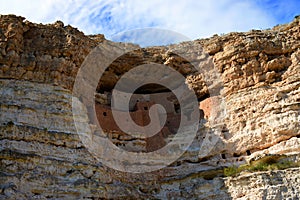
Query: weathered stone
(250,108)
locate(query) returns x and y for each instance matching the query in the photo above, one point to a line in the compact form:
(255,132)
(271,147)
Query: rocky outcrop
(42,53)
(265,185)
(260,71)
(256,112)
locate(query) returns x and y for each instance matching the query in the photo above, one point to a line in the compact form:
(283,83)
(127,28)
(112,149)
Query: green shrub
(230,171)
(267,163)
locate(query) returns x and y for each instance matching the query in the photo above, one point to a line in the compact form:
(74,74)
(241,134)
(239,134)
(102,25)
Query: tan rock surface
(257,112)
(265,185)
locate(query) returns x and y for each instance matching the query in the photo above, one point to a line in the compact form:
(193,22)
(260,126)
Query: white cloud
(150,37)
(192,18)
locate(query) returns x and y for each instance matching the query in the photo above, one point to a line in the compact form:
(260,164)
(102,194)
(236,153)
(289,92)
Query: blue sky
(189,18)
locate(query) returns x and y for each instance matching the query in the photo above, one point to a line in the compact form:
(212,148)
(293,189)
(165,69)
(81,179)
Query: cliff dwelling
(139,106)
(43,155)
(141,101)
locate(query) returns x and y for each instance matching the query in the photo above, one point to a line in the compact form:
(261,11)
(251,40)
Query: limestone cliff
(43,157)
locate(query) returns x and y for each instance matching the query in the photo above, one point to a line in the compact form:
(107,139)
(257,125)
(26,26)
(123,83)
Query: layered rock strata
(257,110)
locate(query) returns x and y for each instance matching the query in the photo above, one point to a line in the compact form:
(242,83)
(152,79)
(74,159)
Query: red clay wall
(140,117)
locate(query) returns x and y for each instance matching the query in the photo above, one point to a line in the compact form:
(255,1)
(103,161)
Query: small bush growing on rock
(230,171)
(264,164)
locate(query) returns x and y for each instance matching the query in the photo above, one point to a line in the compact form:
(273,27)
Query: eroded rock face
(265,185)
(42,53)
(257,112)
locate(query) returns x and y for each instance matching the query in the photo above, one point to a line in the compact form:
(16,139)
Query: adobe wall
(164,98)
(210,106)
(139,107)
(141,117)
